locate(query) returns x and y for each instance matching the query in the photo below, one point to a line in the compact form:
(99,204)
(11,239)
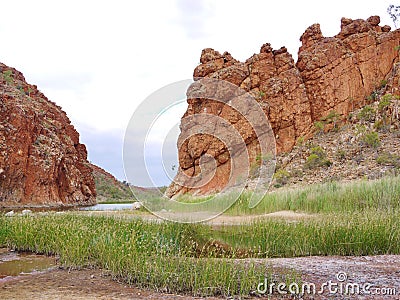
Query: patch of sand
(237,220)
(77,284)
(219,220)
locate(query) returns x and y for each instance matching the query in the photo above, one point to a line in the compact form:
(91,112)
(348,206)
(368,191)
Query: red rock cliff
(332,74)
(41,159)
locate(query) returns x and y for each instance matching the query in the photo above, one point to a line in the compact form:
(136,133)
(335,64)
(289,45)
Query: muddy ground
(378,271)
(74,284)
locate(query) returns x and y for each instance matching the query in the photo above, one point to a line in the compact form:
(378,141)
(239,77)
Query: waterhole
(23,263)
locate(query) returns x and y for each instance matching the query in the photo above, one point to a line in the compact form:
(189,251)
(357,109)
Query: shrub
(383,83)
(385,102)
(390,159)
(8,76)
(29,91)
(350,117)
(314,161)
(318,151)
(264,158)
(379,125)
(296,172)
(341,154)
(317,158)
(108,190)
(367,114)
(300,141)
(281,177)
(371,139)
(332,117)
(374,96)
(360,129)
(319,127)
(254,170)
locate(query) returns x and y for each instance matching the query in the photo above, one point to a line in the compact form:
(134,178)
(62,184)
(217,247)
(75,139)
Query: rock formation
(42,162)
(333,74)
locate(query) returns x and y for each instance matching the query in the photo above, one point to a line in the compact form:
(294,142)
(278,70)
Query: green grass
(331,197)
(186,258)
(359,218)
(87,241)
(368,233)
(160,257)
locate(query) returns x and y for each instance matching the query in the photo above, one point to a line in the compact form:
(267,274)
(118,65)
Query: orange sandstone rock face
(340,72)
(332,74)
(41,159)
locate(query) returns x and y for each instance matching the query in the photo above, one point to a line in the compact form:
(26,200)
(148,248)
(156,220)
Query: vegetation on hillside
(108,191)
(364,145)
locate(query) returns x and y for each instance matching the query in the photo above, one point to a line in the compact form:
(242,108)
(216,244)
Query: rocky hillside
(365,146)
(42,162)
(333,76)
(110,189)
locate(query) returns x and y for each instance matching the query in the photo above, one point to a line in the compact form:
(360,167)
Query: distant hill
(108,188)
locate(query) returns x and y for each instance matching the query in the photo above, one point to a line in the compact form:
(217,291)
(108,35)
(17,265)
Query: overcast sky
(99,59)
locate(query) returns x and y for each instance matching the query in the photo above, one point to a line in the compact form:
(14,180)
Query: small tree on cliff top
(394,13)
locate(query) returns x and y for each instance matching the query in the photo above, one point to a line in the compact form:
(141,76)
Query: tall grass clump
(368,233)
(163,257)
(331,197)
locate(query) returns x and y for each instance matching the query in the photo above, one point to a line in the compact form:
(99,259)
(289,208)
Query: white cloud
(100,59)
(193,17)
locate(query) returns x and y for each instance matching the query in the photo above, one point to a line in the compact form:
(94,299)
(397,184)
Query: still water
(116,206)
(17,264)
